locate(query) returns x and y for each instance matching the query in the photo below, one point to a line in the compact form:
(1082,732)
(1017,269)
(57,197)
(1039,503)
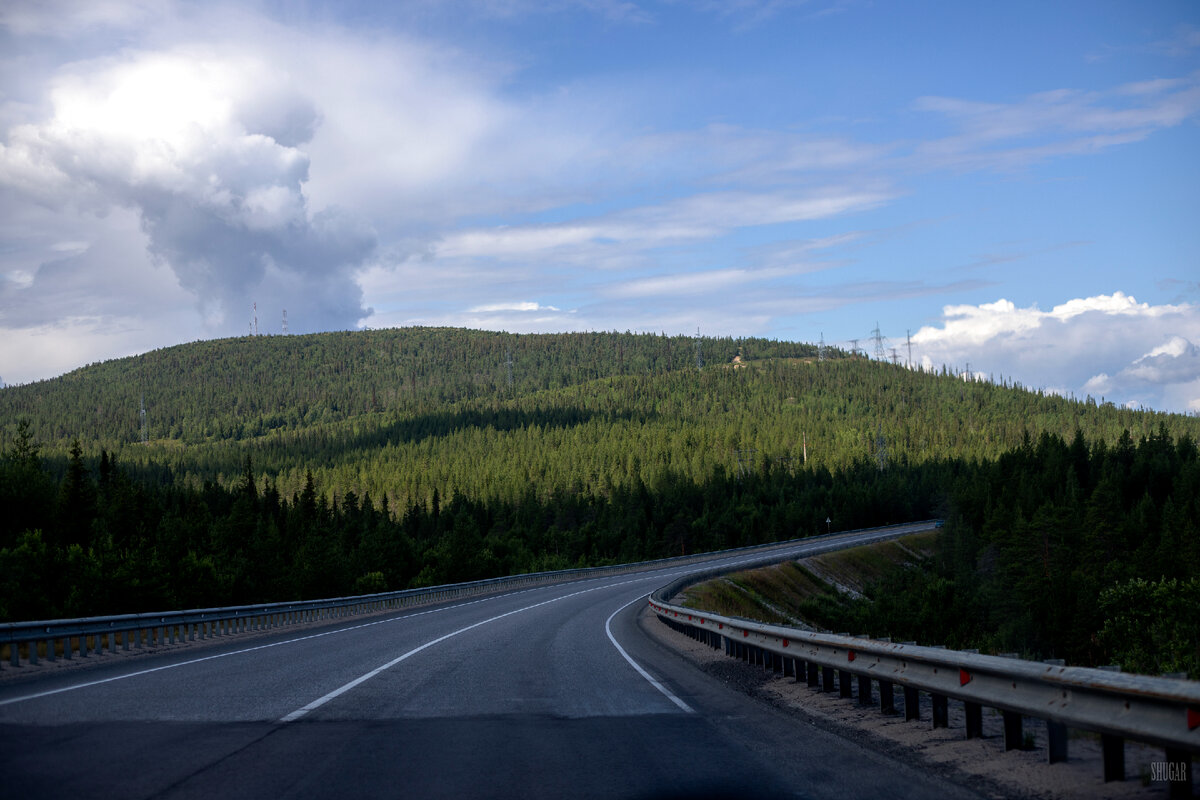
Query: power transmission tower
(285,330)
(878,339)
(821,348)
(745,459)
(908,339)
(895,356)
(508,367)
(854,347)
(699,359)
(967,377)
(881,453)
(256,319)
(142,415)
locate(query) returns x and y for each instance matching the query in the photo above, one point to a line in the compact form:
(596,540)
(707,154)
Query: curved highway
(545,692)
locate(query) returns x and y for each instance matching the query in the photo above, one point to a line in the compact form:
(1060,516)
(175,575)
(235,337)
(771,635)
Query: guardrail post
(814,675)
(941,711)
(846,689)
(1113,750)
(974,713)
(789,667)
(887,703)
(1013,739)
(827,679)
(1056,742)
(864,690)
(14,655)
(1179,766)
(912,704)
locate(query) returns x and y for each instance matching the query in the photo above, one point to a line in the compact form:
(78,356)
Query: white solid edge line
(245,650)
(347,687)
(634,664)
(320,701)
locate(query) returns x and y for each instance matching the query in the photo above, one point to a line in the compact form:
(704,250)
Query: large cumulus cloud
(1109,347)
(207,146)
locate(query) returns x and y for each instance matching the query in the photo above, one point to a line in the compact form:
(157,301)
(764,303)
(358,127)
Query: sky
(1009,188)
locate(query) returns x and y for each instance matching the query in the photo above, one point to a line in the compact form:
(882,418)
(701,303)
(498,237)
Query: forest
(275,468)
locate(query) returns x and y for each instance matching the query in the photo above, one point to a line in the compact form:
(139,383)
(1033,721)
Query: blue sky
(1015,185)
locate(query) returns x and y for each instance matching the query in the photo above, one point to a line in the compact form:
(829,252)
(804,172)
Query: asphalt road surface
(545,692)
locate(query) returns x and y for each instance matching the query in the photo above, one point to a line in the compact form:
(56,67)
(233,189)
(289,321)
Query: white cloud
(200,142)
(1055,123)
(525,306)
(1108,346)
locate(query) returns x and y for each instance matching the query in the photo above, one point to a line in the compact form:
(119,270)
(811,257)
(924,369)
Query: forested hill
(400,413)
(235,388)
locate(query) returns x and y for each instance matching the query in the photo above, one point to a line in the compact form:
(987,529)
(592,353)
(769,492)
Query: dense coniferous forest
(305,466)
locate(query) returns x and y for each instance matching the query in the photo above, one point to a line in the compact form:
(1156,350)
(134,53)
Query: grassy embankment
(813,592)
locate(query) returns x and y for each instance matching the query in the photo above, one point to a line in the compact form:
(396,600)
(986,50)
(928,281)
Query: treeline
(94,541)
(1086,552)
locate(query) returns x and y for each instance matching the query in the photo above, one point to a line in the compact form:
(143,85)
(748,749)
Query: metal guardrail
(27,642)
(1161,711)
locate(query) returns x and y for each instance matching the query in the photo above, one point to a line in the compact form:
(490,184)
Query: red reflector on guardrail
(1193,717)
(785,642)
(745,633)
(964,677)
(850,656)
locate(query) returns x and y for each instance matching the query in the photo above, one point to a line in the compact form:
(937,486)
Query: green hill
(279,467)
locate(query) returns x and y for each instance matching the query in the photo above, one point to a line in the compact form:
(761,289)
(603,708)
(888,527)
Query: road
(546,692)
